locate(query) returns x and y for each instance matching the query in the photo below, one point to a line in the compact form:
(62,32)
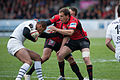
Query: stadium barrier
(94,28)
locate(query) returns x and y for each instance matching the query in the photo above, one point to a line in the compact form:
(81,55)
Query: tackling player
(16,48)
(78,39)
(113,33)
(55,44)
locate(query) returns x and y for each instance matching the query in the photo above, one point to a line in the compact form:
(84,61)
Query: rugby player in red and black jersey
(78,39)
(54,43)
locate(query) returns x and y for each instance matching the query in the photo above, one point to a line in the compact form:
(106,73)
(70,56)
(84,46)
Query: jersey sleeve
(108,32)
(50,35)
(26,33)
(73,23)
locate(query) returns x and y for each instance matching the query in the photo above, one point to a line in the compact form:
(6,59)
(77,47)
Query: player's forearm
(110,46)
(65,32)
(65,39)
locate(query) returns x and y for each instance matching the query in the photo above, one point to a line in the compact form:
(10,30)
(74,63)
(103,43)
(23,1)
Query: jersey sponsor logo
(73,25)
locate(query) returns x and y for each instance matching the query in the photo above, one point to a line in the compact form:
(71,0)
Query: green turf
(109,70)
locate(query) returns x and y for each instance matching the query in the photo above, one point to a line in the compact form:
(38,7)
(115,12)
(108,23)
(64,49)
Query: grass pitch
(105,66)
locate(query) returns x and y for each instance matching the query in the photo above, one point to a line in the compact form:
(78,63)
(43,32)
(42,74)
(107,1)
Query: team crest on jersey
(53,17)
(31,26)
(73,25)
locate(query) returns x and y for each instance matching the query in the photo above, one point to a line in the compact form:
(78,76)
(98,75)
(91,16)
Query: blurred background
(95,16)
(13,12)
(44,9)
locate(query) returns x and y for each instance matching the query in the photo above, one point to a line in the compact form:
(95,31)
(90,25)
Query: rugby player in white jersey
(113,33)
(16,48)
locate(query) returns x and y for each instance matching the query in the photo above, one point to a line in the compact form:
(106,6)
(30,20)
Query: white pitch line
(98,60)
(75,78)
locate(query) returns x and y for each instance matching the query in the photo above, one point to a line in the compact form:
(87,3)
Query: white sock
(22,71)
(38,69)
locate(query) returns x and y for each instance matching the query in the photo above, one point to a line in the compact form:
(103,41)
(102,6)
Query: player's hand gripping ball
(34,34)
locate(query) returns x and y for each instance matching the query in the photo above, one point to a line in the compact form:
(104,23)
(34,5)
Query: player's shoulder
(116,21)
(73,19)
(55,17)
(30,24)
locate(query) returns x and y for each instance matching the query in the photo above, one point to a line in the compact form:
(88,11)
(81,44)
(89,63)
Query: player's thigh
(23,55)
(46,53)
(64,51)
(34,56)
(71,59)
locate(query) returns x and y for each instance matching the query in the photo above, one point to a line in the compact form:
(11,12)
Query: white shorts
(14,45)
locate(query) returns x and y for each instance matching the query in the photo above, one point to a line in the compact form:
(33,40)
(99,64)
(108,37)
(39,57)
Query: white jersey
(113,32)
(18,32)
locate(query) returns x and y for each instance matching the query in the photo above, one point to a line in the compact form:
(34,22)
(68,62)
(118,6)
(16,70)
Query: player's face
(63,18)
(72,13)
(39,28)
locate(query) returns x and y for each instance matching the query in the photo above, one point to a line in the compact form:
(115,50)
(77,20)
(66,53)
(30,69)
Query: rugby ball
(34,33)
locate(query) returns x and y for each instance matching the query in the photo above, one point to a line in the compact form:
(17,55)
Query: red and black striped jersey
(73,23)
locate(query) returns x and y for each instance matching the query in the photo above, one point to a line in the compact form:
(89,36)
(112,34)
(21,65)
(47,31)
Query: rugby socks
(38,69)
(32,69)
(89,70)
(61,68)
(22,71)
(76,70)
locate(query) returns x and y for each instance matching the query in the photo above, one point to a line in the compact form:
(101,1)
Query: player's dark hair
(74,9)
(43,23)
(118,10)
(65,11)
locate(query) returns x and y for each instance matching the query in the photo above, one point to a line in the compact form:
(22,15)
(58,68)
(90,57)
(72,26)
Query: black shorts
(49,43)
(78,44)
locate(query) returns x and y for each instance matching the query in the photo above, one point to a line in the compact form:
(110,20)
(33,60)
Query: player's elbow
(107,42)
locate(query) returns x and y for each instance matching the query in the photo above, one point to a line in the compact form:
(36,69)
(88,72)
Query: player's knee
(70,59)
(37,58)
(60,56)
(85,54)
(45,59)
(87,60)
(28,61)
